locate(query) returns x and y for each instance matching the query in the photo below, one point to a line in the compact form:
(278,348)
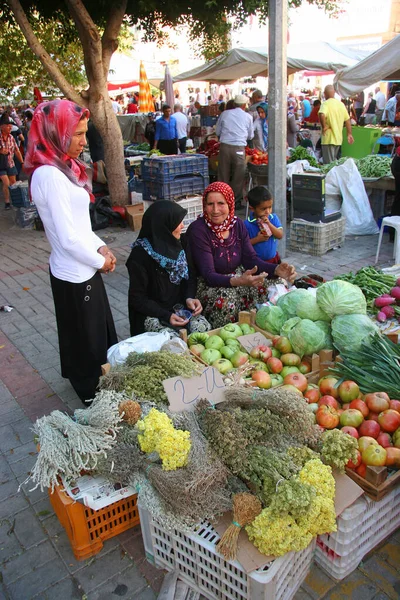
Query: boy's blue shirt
(268,249)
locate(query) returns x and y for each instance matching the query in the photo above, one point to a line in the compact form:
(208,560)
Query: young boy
(263,226)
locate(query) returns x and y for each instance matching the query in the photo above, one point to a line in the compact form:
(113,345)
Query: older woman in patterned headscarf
(60,189)
(232,276)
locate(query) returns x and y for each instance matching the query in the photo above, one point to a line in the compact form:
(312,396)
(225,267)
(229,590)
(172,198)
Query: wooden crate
(376,492)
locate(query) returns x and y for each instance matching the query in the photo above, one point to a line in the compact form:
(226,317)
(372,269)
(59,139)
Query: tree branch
(42,54)
(109,39)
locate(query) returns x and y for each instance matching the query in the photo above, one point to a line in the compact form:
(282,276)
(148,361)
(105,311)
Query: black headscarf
(155,237)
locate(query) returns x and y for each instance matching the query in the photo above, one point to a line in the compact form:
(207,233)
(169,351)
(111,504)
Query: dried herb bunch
(246,508)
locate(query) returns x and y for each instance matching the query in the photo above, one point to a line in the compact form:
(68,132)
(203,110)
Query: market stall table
(376,190)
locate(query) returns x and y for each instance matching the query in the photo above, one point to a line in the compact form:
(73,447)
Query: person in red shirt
(8,148)
(132,107)
(314,117)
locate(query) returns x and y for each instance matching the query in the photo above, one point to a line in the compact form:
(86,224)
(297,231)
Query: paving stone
(146,594)
(27,561)
(382,574)
(8,439)
(390,552)
(9,545)
(43,509)
(32,496)
(354,587)
(12,505)
(39,580)
(23,451)
(52,526)
(63,547)
(5,472)
(67,589)
(301,595)
(102,569)
(12,416)
(127,585)
(7,403)
(23,467)
(8,489)
(23,430)
(28,529)
(317,583)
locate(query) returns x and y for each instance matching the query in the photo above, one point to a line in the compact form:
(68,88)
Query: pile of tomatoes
(257,157)
(211,148)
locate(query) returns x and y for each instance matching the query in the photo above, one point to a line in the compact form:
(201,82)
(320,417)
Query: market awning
(381,65)
(121,86)
(253,62)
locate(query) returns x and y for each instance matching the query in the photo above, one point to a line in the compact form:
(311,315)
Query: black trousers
(168,146)
(395,167)
(85,331)
(182,145)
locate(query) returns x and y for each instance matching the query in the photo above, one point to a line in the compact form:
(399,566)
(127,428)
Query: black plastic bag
(102,215)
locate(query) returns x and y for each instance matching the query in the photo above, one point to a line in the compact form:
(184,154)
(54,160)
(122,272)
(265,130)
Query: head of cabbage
(288,302)
(307,308)
(341,298)
(349,331)
(290,323)
(326,328)
(307,337)
(270,318)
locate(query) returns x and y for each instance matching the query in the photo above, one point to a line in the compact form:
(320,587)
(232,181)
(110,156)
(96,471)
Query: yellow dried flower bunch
(130,411)
(276,535)
(159,435)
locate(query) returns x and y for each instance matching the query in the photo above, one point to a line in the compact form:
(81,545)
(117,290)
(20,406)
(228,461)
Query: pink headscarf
(227,192)
(50,135)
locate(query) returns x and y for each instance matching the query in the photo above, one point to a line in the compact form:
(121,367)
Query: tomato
(384,440)
(395,405)
(392,457)
(352,465)
(373,416)
(361,406)
(366,441)
(328,401)
(327,417)
(348,391)
(361,470)
(351,417)
(377,402)
(389,420)
(369,429)
(374,456)
(351,431)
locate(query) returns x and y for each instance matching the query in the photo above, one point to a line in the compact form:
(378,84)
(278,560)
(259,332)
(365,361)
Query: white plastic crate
(316,238)
(194,207)
(340,553)
(199,564)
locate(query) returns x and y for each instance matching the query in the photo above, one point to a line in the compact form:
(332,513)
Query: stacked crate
(174,177)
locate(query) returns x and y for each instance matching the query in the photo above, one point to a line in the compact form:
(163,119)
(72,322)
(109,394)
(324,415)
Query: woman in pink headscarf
(232,276)
(60,189)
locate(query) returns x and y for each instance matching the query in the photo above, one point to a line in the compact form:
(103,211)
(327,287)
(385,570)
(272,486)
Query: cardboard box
(134,216)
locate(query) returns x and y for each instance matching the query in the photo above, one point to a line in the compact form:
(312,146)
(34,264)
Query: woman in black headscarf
(162,281)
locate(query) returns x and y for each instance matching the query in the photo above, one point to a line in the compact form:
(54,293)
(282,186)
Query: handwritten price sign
(183,393)
(252,340)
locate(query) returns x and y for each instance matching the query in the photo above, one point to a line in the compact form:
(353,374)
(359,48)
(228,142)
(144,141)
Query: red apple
(352,465)
(274,365)
(373,416)
(327,386)
(377,402)
(312,395)
(370,429)
(345,406)
(395,405)
(384,440)
(291,388)
(348,391)
(261,352)
(298,380)
(328,401)
(282,344)
(262,379)
(351,431)
(389,420)
(361,406)
(305,367)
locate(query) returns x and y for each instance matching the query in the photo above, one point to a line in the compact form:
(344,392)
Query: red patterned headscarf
(50,135)
(227,192)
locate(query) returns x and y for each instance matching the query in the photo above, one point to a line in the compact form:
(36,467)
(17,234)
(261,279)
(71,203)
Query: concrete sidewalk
(36,558)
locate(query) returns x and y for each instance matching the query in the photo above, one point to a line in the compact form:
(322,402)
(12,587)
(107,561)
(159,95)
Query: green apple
(230,331)
(258,365)
(276,379)
(246,329)
(227,352)
(223,365)
(214,342)
(197,338)
(232,344)
(287,370)
(210,355)
(275,353)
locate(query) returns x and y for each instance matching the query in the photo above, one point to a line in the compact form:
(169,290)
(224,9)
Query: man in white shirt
(181,126)
(115,105)
(234,128)
(389,114)
(380,99)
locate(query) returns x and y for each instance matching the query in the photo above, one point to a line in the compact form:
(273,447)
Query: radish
(398,281)
(381,301)
(388,311)
(395,292)
(381,317)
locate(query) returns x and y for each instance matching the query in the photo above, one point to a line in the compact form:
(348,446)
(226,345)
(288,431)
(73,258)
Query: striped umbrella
(146,103)
(168,87)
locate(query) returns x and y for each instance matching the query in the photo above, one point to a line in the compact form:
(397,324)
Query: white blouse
(64,210)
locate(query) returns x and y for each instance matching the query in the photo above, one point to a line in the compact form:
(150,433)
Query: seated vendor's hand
(286,271)
(176,321)
(249,278)
(194,305)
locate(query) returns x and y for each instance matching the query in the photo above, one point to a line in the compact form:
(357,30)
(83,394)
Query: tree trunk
(105,120)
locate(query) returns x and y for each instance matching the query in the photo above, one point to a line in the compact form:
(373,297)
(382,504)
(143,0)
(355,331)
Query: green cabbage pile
(348,331)
(341,298)
(307,337)
(270,318)
(288,302)
(307,308)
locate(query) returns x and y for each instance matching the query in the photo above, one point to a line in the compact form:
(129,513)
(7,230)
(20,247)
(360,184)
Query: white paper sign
(183,393)
(252,340)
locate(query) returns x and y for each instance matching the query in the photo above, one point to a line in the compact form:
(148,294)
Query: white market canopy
(253,62)
(381,65)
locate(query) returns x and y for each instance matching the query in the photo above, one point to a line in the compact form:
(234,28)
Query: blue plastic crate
(168,167)
(177,188)
(135,185)
(208,121)
(19,196)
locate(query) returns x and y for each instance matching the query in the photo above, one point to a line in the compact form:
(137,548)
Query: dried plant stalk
(246,508)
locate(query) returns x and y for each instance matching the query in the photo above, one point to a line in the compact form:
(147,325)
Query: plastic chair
(395,223)
(384,140)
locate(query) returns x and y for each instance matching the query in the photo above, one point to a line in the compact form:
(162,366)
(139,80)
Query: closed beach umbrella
(168,88)
(146,103)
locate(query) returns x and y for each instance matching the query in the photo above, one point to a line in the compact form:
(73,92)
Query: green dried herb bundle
(337,448)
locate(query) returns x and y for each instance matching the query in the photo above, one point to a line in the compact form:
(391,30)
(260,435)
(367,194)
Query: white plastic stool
(395,223)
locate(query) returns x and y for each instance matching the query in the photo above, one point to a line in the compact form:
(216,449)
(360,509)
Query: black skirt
(85,326)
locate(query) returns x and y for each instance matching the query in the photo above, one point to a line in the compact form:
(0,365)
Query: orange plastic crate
(88,529)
